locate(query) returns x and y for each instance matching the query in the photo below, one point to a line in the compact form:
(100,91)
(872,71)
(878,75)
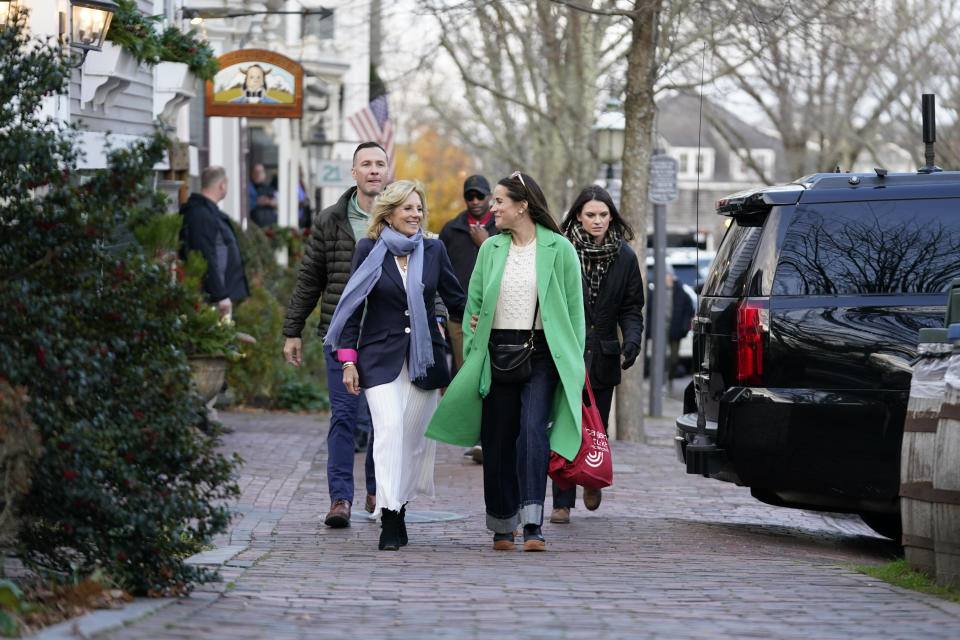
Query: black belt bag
(512,363)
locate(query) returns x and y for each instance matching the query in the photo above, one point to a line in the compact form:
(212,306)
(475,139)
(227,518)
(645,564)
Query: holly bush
(91,328)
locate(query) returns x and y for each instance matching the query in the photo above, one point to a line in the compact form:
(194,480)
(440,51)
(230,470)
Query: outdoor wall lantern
(609,128)
(90,21)
(8,9)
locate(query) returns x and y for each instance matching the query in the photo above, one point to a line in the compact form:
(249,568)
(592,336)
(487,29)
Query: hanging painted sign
(255,83)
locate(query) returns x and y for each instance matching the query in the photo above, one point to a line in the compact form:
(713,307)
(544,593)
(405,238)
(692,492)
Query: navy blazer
(380,328)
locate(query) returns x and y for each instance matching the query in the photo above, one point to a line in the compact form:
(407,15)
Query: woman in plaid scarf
(612,297)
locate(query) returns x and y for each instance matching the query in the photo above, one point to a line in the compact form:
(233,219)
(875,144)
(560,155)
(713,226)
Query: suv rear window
(887,246)
(728,274)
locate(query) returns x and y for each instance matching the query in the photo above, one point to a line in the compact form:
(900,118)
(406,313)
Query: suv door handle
(701,321)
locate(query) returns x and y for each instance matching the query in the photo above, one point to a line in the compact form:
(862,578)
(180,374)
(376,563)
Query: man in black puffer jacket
(322,276)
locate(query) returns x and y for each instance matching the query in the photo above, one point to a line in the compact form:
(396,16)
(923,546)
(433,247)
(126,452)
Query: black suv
(805,333)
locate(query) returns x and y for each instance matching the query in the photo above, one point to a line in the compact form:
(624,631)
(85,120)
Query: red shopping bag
(592,468)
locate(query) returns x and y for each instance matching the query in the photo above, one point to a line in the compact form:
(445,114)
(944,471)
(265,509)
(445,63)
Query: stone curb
(102,620)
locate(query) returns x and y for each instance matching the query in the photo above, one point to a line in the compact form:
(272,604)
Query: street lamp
(609,128)
(90,21)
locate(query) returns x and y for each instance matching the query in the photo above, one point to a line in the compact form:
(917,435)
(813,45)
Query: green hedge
(262,377)
(92,328)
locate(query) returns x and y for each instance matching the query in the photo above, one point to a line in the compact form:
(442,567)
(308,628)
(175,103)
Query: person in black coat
(612,298)
(207,229)
(462,236)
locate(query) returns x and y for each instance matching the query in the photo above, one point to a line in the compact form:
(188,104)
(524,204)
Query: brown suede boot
(591,498)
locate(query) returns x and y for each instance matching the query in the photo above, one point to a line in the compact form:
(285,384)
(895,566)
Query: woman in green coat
(526,276)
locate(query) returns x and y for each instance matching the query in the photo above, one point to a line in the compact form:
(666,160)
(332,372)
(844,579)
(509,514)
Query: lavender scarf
(361,283)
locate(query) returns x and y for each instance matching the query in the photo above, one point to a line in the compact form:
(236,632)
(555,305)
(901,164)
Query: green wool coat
(559,288)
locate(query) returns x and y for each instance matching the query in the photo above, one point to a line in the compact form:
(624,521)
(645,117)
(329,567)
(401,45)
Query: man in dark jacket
(207,229)
(323,275)
(463,236)
(678,322)
(263,198)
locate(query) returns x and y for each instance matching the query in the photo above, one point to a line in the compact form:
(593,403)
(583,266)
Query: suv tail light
(753,318)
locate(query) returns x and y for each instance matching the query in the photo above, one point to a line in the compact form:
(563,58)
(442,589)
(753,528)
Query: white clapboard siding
(131,114)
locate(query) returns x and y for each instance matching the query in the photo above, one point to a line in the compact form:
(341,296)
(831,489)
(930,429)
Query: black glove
(630,352)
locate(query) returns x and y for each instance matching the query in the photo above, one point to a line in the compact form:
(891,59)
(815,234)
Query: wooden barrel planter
(946,475)
(927,390)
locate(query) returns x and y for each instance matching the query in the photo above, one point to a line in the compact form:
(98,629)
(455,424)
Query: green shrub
(258,377)
(92,328)
(189,48)
(137,32)
(12,607)
(299,395)
(131,29)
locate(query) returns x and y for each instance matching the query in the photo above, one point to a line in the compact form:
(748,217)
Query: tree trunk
(640,111)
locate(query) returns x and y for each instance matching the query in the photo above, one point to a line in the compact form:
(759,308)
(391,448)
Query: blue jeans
(516,448)
(340,440)
(604,398)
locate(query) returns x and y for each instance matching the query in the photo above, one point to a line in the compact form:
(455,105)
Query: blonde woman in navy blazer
(390,346)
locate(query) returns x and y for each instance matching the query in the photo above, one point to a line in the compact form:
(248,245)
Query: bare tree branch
(597,12)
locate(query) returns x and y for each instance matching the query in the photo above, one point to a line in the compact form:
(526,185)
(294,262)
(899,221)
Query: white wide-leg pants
(402,456)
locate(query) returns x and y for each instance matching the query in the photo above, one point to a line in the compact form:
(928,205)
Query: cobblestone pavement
(667,555)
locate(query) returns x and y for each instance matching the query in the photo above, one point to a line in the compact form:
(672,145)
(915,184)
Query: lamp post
(609,128)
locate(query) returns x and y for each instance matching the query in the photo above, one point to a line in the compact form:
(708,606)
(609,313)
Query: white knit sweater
(518,289)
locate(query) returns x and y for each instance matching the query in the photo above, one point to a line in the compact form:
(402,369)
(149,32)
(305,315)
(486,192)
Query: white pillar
(288,150)
(224,146)
(293,21)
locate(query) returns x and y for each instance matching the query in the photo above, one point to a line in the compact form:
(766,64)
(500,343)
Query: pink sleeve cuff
(346,355)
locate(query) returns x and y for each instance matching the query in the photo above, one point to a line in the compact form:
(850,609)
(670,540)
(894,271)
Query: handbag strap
(536,308)
(589,389)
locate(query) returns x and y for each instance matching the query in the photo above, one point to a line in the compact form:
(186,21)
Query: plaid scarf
(595,259)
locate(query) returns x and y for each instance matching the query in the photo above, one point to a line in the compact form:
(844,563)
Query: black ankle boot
(403,526)
(389,530)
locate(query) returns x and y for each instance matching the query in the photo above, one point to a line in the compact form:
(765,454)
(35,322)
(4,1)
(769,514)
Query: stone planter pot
(208,372)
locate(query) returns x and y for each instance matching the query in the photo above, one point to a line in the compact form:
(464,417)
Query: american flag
(373,123)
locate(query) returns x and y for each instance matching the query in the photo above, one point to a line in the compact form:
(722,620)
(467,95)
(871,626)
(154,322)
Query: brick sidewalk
(667,555)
